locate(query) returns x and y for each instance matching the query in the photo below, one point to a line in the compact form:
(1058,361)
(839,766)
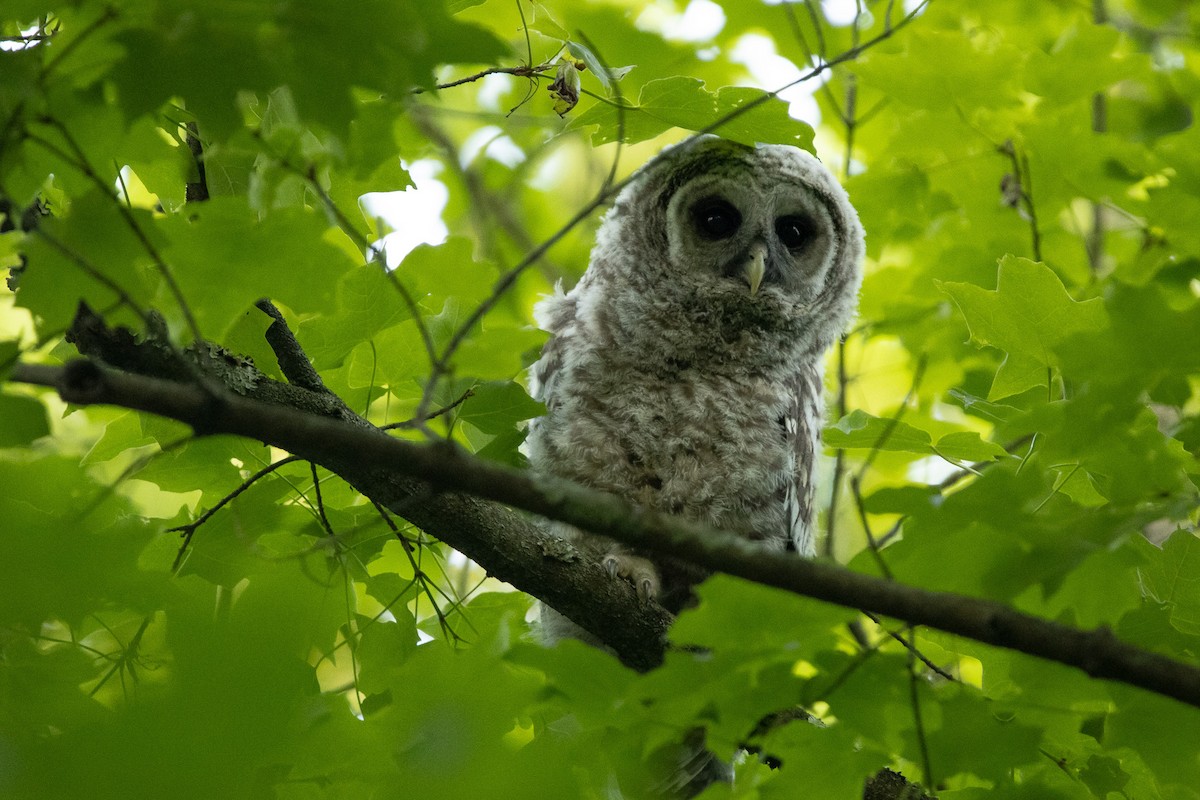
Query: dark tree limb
(509,546)
(292,359)
(392,471)
(888,785)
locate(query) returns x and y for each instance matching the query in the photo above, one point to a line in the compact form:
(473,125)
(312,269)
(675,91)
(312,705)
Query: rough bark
(445,491)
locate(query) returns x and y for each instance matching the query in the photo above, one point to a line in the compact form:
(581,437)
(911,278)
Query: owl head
(764,233)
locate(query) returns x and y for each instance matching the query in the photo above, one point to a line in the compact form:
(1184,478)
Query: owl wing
(803,430)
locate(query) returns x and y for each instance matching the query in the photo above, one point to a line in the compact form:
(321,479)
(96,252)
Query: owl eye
(794,230)
(715,218)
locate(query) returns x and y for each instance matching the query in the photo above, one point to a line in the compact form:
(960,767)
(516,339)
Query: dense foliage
(1016,415)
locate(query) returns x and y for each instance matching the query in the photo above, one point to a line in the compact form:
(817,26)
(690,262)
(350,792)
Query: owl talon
(639,571)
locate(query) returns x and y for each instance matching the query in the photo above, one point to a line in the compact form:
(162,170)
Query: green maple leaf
(1027,315)
(683,102)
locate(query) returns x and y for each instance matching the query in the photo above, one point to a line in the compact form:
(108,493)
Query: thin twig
(95,274)
(810,56)
(502,285)
(894,421)
(910,647)
(892,531)
(189,530)
(124,188)
(816,18)
(419,574)
(851,123)
(1095,239)
(855,489)
(108,15)
(415,422)
(852,94)
(975,468)
(919,723)
(320,504)
(528,39)
(839,461)
(839,680)
(610,186)
(531,87)
(621,109)
(1017,189)
(1027,192)
(136,466)
(522,71)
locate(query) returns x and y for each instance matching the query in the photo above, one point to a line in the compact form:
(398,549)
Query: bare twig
(893,531)
(108,15)
(884,569)
(894,421)
(419,422)
(127,660)
(522,71)
(811,55)
(817,21)
(501,287)
(914,696)
(423,578)
(1017,191)
(974,469)
(129,472)
(850,122)
(911,648)
(839,459)
(319,507)
(95,273)
(187,531)
(621,110)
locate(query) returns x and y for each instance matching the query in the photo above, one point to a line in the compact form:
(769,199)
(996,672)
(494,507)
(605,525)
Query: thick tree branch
(509,546)
(392,471)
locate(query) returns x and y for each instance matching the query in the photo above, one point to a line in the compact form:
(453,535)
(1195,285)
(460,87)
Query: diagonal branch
(388,470)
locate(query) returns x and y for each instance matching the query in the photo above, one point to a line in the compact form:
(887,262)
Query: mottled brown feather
(667,382)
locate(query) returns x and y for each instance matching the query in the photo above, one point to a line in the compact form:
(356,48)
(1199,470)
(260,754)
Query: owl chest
(716,451)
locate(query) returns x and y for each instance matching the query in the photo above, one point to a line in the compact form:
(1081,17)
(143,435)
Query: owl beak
(755,267)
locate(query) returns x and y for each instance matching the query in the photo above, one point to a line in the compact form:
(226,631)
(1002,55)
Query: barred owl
(685,369)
